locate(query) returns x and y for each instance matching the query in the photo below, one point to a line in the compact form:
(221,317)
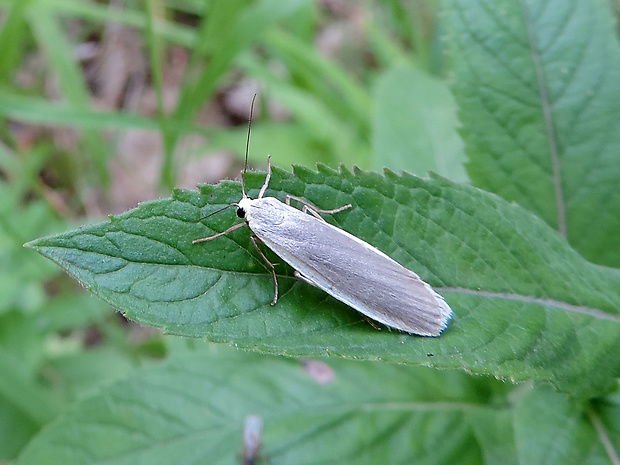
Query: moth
(339,263)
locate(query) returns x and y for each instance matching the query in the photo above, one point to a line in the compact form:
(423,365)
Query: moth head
(242,206)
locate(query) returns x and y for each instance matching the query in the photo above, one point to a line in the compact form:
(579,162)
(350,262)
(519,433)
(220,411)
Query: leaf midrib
(589,311)
(549,125)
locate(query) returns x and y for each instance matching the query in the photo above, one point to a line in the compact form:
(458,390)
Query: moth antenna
(216,211)
(247,148)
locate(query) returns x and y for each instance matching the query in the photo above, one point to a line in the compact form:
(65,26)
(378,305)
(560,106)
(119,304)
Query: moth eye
(240,212)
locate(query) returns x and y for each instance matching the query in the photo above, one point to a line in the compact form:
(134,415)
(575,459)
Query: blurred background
(104,104)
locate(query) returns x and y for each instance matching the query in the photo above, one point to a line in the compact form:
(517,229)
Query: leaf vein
(589,311)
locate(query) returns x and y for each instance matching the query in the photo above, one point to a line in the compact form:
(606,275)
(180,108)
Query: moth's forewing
(349,269)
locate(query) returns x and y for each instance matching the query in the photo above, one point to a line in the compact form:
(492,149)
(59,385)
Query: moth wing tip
(446,315)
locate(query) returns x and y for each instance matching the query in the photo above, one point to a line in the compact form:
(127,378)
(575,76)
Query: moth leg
(301,277)
(371,322)
(254,240)
(304,278)
(223,233)
(308,207)
(267,178)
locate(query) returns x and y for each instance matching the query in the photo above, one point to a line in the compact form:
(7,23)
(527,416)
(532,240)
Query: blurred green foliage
(526,92)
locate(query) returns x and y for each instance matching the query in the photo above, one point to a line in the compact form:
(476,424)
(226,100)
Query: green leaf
(526,305)
(17,429)
(18,389)
(289,143)
(415,125)
(22,282)
(191,410)
(550,429)
(537,83)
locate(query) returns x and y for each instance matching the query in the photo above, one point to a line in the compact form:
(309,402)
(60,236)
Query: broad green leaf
(25,406)
(415,124)
(84,372)
(526,305)
(289,143)
(494,432)
(19,389)
(537,84)
(17,429)
(605,416)
(552,429)
(191,410)
(22,283)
